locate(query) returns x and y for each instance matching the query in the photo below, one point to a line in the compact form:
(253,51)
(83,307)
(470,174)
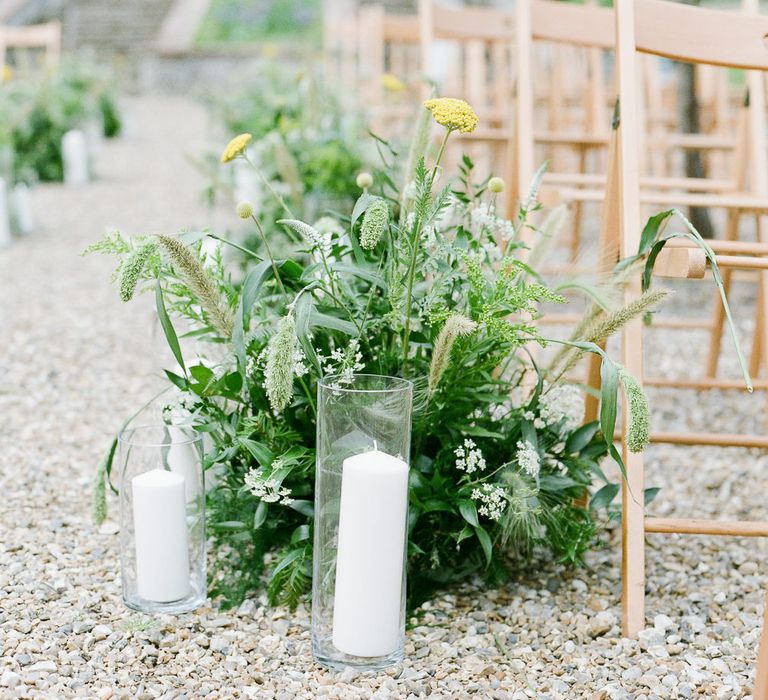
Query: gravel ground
(75,362)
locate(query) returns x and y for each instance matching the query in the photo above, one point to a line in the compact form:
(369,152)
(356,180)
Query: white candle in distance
(371,550)
(74,154)
(5,218)
(160,526)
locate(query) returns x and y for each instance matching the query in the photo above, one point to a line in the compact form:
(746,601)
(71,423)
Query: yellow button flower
(235,147)
(452,113)
(6,74)
(392,83)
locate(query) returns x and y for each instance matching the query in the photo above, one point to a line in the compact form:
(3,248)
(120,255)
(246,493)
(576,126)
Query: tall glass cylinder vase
(162,519)
(361,513)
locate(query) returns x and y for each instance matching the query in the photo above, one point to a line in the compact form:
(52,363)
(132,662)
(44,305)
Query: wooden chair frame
(560,24)
(36,36)
(592,27)
(690,34)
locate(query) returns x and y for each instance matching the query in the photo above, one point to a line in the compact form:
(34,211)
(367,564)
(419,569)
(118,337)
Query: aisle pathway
(74,361)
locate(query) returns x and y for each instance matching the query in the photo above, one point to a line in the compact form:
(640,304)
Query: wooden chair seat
(698,142)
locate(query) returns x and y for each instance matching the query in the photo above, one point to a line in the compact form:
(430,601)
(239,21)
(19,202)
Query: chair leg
(758,339)
(592,403)
(633,546)
(577,211)
(759,357)
(760,691)
(633,501)
(718,314)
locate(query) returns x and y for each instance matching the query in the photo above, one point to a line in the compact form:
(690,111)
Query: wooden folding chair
(22,46)
(760,691)
(686,33)
(738,194)
(390,52)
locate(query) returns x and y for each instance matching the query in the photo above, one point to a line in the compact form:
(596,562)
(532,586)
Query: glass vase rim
(191,435)
(398,384)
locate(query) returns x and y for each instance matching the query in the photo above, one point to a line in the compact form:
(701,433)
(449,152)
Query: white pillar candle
(369,565)
(5,220)
(184,459)
(160,525)
(21,205)
(74,154)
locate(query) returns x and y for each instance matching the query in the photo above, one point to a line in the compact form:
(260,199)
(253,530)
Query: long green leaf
(485,542)
(608,395)
(167,326)
(302,312)
(651,245)
(468,510)
(327,321)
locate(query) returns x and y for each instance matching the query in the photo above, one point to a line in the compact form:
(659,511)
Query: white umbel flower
(491,500)
(469,458)
(528,458)
(564,403)
(265,487)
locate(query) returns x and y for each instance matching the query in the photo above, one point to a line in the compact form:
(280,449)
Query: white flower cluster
(265,487)
(492,500)
(528,458)
(254,365)
(330,230)
(179,408)
(469,458)
(342,363)
(483,219)
(563,402)
(499,411)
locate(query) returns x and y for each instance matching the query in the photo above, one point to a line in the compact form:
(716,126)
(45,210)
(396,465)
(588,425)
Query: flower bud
(364,180)
(496,185)
(245,210)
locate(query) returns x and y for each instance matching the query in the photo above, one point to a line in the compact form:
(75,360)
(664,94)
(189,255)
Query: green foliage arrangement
(35,114)
(306,148)
(425,281)
(233,22)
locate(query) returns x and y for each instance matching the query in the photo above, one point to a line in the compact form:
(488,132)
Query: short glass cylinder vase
(361,514)
(162,519)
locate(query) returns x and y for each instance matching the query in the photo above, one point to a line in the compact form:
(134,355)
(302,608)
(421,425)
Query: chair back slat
(401,29)
(470,23)
(699,35)
(577,25)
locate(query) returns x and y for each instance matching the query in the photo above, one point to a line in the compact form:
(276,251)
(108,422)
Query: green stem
(412,264)
(408,302)
(343,308)
(271,258)
(439,157)
(310,398)
(235,245)
(271,189)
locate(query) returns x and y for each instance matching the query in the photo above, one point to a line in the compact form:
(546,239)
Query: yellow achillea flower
(392,83)
(6,74)
(235,147)
(452,113)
